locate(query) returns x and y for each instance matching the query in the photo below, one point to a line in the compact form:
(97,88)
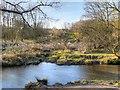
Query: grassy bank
(67,57)
(33,53)
(60,57)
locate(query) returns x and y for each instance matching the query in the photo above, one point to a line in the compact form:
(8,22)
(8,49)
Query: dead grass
(9,55)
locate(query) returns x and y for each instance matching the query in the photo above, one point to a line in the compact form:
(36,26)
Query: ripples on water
(17,77)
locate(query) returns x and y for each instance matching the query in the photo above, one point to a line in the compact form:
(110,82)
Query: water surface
(17,77)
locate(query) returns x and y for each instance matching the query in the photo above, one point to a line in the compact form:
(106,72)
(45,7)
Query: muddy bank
(75,84)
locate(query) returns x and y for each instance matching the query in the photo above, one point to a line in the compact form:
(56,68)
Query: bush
(77,81)
(53,58)
(63,57)
(100,57)
(75,56)
(84,82)
(67,51)
(117,84)
(94,57)
(58,52)
(38,55)
(114,61)
(61,61)
(70,83)
(94,81)
(76,53)
(98,51)
(46,54)
(88,62)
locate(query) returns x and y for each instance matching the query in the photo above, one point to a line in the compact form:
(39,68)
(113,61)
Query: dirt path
(84,87)
(92,86)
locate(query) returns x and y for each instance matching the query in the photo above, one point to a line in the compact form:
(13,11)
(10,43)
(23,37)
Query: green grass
(63,56)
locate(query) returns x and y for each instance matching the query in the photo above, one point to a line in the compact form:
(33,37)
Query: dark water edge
(17,77)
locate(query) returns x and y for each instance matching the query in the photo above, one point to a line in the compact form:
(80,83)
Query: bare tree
(21,8)
(106,12)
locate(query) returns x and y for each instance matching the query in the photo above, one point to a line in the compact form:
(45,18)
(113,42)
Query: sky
(69,12)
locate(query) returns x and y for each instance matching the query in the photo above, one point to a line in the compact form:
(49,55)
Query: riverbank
(11,60)
(114,84)
(60,57)
(29,53)
(67,57)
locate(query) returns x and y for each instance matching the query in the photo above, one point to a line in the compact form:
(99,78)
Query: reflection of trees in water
(104,72)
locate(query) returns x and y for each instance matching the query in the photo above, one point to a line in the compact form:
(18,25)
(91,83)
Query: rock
(70,62)
(43,81)
(96,62)
(80,62)
(92,62)
(111,83)
(84,82)
(58,84)
(69,83)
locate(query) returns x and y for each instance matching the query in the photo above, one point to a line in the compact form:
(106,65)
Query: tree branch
(19,9)
(10,11)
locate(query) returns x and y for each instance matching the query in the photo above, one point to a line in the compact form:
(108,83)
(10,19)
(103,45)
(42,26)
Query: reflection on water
(17,77)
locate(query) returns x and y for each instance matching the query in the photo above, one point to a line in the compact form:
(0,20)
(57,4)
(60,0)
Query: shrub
(61,61)
(70,83)
(100,57)
(75,56)
(76,53)
(53,58)
(77,81)
(105,60)
(94,81)
(46,54)
(62,57)
(88,62)
(98,51)
(38,55)
(117,84)
(114,61)
(67,51)
(84,82)
(58,52)
(94,57)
